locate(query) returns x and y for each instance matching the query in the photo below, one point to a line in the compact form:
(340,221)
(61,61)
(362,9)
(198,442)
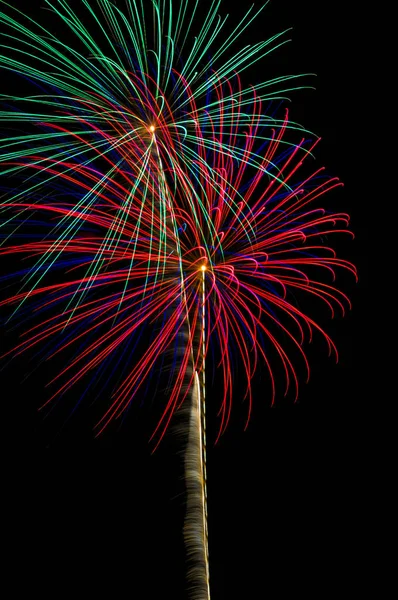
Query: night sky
(91,513)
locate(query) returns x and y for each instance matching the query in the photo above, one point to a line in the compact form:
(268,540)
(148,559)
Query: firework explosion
(168,214)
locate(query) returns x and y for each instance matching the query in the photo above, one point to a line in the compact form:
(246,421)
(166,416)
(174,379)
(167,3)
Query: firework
(171,216)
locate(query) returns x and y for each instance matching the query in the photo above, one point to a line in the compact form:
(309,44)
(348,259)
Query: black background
(98,514)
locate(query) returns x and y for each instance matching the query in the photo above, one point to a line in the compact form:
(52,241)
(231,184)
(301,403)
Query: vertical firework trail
(196,525)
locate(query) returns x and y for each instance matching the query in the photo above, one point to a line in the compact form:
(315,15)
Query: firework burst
(167,211)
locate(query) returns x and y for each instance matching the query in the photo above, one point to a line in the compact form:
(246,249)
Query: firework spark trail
(196,520)
(195,527)
(203,422)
